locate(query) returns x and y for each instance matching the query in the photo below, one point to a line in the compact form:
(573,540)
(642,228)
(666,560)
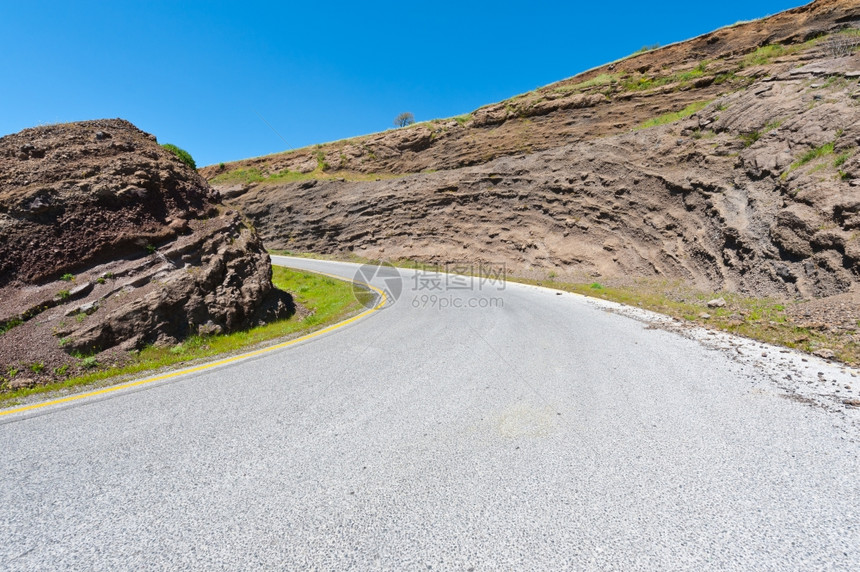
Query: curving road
(509,429)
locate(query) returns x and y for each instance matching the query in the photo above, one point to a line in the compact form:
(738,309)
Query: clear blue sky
(201,74)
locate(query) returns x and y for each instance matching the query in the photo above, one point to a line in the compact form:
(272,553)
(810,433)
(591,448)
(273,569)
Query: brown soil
(107,243)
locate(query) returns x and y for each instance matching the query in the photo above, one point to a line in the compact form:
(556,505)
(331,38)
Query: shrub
(182,154)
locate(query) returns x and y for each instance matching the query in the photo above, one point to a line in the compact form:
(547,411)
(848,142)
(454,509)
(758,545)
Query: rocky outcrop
(693,200)
(727,162)
(110,243)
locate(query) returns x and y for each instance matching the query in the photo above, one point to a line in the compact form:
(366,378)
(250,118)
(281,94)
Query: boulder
(155,256)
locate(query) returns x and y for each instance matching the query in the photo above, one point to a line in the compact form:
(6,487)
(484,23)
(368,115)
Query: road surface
(511,428)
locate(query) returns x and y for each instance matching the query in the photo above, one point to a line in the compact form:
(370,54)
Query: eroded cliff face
(752,187)
(109,242)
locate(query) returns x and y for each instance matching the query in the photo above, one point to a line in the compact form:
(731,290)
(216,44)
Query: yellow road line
(382,300)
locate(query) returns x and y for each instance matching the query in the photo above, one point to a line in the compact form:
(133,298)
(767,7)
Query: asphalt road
(521,430)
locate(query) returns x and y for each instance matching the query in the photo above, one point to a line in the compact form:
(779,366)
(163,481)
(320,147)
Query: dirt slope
(750,186)
(109,242)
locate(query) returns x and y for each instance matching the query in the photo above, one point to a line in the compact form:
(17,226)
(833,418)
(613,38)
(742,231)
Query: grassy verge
(763,319)
(328,300)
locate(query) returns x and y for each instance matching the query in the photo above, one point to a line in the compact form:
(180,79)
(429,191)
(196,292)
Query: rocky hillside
(109,242)
(612,99)
(728,161)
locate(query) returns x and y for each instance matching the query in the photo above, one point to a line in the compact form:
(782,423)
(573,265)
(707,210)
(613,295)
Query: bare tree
(404,119)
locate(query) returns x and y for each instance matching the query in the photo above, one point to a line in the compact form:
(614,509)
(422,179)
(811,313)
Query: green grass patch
(819,167)
(841,158)
(818,152)
(9,324)
(813,154)
(328,300)
(749,138)
(722,78)
(676,116)
(771,125)
(644,82)
(243,176)
(706,134)
(694,73)
(766,54)
(753,136)
(597,81)
(322,165)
